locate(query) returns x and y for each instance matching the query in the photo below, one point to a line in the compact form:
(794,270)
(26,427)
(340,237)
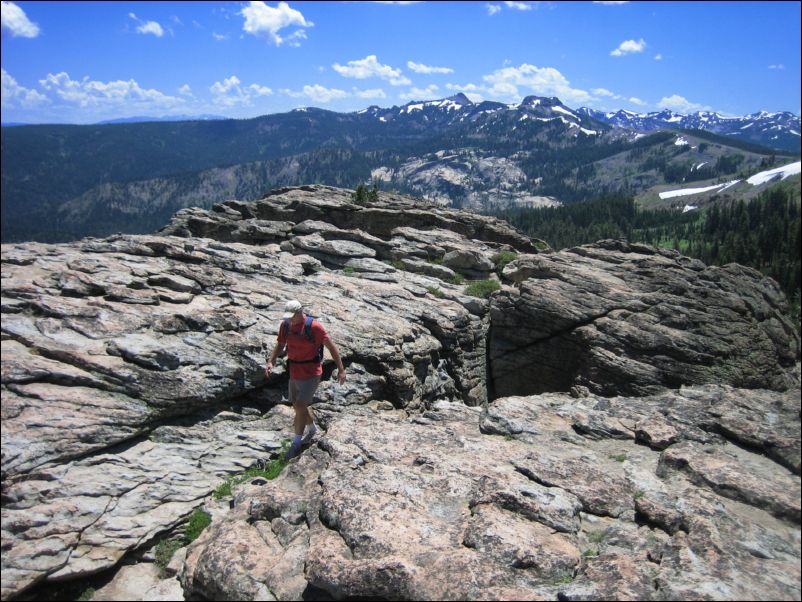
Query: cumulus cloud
(658,57)
(113,94)
(605,93)
(16,22)
(370,94)
(148,27)
(492,9)
(420,93)
(426,69)
(371,67)
(230,92)
(265,21)
(514,82)
(15,95)
(185,90)
(636,101)
(629,47)
(681,104)
(317,93)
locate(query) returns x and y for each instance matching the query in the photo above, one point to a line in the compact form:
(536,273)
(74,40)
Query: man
(303,336)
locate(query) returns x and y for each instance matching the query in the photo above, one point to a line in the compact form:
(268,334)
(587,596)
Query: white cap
(291,308)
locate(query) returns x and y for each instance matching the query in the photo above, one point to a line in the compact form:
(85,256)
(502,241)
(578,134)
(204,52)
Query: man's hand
(341,376)
(268,369)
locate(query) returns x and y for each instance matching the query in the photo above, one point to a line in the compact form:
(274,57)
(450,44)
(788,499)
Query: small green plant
(165,550)
(88,594)
(565,580)
(197,523)
(457,279)
(396,263)
(590,553)
(269,472)
(348,270)
(436,292)
(596,536)
(482,288)
(619,457)
(638,494)
(502,258)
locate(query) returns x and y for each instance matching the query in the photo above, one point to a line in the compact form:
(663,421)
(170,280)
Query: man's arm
(278,348)
(335,354)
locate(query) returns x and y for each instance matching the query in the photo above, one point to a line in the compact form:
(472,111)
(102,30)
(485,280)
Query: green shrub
(457,279)
(502,258)
(436,292)
(197,523)
(164,553)
(269,472)
(482,288)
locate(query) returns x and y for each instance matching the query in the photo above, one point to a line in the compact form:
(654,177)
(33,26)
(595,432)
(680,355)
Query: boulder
(632,319)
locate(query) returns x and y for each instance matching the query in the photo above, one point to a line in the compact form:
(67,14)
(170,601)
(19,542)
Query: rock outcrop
(533,498)
(626,319)
(133,385)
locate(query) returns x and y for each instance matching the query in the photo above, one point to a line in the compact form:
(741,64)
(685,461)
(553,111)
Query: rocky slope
(132,386)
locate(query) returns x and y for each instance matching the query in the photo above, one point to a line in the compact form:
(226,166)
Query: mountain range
(775,130)
(63,182)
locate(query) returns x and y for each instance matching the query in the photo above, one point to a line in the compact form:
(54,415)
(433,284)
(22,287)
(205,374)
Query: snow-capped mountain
(458,112)
(776,130)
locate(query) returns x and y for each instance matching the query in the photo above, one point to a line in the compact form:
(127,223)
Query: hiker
(304,338)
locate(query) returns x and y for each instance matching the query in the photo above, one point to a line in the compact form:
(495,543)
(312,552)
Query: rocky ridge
(132,386)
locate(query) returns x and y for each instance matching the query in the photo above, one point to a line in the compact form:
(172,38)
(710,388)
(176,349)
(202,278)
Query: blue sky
(82,62)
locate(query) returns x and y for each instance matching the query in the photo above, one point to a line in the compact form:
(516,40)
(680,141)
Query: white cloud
(658,57)
(611,2)
(519,5)
(219,37)
(492,9)
(14,20)
(147,27)
(14,95)
(185,90)
(604,92)
(629,47)
(779,67)
(370,94)
(89,100)
(230,92)
(420,93)
(371,67)
(681,104)
(542,81)
(151,27)
(426,69)
(265,21)
(636,101)
(317,93)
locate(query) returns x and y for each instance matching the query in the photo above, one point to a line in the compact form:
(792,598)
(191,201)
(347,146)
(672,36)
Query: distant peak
(543,101)
(460,99)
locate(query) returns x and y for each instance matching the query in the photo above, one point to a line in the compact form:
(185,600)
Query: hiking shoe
(294,451)
(308,436)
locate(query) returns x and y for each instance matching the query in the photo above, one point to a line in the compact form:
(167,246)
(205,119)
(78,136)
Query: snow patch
(785,171)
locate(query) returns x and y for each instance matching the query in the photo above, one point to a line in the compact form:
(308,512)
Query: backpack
(307,332)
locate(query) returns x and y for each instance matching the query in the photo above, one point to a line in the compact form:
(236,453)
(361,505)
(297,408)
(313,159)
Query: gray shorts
(303,390)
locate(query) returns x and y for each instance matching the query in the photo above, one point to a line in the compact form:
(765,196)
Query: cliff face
(133,385)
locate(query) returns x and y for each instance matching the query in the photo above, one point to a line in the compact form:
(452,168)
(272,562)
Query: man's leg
(301,394)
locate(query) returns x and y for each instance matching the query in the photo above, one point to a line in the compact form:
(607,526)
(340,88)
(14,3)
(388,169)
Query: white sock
(311,430)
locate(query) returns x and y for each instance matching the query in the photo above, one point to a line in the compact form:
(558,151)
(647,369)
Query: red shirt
(300,348)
